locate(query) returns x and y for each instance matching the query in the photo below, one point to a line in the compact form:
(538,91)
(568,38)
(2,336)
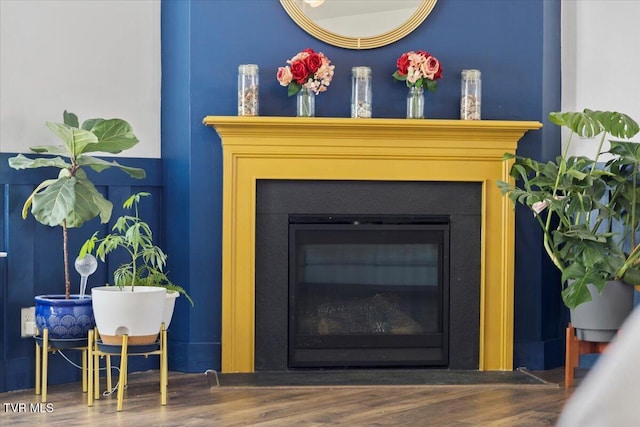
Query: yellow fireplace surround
(294,148)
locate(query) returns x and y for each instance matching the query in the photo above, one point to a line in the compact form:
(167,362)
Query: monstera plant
(71,199)
(588,208)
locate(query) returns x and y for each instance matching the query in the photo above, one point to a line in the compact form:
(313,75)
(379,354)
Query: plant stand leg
(38,368)
(45,362)
(108,374)
(96,367)
(571,356)
(84,369)
(123,371)
(574,348)
(90,369)
(164,366)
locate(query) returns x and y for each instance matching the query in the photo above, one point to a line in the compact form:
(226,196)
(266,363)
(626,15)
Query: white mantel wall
(600,59)
(96,58)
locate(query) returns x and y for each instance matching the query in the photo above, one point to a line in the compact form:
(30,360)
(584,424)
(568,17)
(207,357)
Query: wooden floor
(192,402)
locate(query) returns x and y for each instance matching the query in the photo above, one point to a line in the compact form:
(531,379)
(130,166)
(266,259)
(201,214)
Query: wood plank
(191,402)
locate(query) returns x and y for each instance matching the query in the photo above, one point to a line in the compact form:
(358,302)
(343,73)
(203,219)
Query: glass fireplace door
(368,291)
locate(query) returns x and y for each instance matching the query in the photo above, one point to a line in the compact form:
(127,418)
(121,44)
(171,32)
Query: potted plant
(588,211)
(143,296)
(71,199)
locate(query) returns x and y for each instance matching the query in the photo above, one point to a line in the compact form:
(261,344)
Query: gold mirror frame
(358,42)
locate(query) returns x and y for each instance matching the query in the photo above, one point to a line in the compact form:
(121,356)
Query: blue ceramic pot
(65,318)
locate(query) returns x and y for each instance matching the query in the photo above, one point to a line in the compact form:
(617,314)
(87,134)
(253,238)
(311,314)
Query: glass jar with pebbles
(361,93)
(470,95)
(248,90)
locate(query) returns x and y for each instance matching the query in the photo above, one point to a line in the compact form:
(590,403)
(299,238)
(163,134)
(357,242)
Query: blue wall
(516,45)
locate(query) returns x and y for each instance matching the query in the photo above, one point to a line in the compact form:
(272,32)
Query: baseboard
(539,355)
(194,357)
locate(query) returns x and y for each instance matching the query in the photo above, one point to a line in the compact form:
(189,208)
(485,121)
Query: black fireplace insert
(368,290)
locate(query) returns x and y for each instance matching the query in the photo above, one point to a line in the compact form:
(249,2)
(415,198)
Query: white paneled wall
(96,58)
(600,61)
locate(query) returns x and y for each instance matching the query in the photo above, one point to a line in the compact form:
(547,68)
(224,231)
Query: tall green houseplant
(134,236)
(589,212)
(71,199)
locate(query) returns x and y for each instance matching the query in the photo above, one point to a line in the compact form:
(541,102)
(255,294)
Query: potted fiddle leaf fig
(70,199)
(143,296)
(588,210)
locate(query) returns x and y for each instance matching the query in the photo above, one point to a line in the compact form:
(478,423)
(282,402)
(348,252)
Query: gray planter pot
(599,319)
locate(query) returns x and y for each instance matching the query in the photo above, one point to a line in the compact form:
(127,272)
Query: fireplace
(368,291)
(386,150)
(314,240)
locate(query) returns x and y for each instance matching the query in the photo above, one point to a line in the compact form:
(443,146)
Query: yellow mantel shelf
(319,148)
(327,131)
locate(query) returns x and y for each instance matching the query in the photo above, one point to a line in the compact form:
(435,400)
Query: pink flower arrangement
(419,69)
(308,69)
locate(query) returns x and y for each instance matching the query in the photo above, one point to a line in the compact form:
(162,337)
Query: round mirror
(355,24)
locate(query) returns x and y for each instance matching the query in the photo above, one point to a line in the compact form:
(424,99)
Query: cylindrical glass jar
(415,103)
(361,94)
(306,103)
(470,95)
(248,90)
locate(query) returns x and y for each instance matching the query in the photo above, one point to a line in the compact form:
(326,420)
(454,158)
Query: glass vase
(470,95)
(415,103)
(248,90)
(361,94)
(306,103)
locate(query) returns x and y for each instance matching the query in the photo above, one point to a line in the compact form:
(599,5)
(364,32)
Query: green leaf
(134,199)
(505,187)
(51,149)
(89,203)
(89,245)
(112,136)
(70,119)
(577,291)
(431,85)
(52,205)
(576,174)
(99,165)
(75,139)
(400,77)
(617,124)
(627,150)
(27,204)
(293,88)
(581,123)
(632,277)
(91,123)
(22,162)
(576,294)
(590,123)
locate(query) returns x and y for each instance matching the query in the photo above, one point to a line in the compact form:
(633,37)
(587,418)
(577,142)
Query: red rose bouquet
(308,69)
(418,69)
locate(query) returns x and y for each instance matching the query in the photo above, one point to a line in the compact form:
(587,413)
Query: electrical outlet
(28,322)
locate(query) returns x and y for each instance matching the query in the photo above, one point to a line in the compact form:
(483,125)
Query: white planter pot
(138,313)
(169,305)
